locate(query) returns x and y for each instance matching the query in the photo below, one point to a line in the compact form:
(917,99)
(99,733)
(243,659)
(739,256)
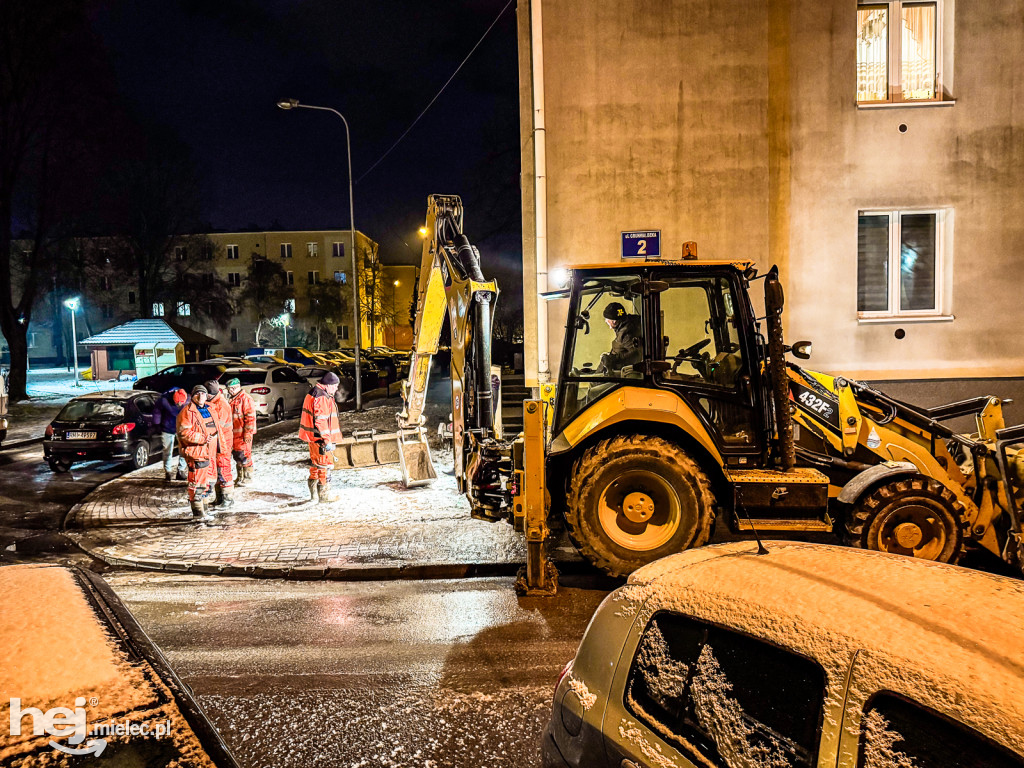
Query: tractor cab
(687,328)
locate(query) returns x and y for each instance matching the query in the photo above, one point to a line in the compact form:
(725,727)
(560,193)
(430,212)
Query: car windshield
(308,372)
(92,410)
(245,378)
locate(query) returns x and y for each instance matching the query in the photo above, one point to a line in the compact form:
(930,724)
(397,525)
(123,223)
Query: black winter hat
(330,378)
(199,388)
(614,311)
(212,387)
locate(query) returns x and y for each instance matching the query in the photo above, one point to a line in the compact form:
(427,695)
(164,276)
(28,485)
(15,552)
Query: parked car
(371,377)
(83,678)
(809,655)
(184,375)
(299,355)
(386,363)
(117,424)
(277,391)
(401,360)
(272,359)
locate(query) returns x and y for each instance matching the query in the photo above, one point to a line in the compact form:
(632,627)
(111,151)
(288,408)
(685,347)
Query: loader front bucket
(414,456)
(365,448)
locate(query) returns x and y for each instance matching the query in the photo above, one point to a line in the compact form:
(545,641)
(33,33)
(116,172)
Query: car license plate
(81,435)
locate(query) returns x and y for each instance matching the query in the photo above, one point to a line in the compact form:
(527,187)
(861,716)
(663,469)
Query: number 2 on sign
(641,247)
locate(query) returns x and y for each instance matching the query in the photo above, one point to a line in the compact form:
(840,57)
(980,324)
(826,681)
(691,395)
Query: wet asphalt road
(34,500)
(443,673)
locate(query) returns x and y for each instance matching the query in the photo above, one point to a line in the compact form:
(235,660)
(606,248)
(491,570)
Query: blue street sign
(641,245)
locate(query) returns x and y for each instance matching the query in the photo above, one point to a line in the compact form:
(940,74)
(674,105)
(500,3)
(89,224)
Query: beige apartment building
(307,258)
(873,150)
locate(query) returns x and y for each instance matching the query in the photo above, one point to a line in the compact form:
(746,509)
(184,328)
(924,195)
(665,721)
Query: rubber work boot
(325,493)
(167,476)
(182,474)
(218,497)
(248,474)
(225,497)
(197,507)
(240,474)
(314,486)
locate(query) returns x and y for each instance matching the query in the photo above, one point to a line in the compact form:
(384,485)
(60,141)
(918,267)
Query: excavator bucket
(365,448)
(414,456)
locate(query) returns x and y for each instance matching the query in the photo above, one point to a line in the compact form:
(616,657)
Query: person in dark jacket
(165,416)
(627,346)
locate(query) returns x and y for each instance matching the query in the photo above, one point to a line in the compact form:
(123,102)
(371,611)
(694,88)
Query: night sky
(212,73)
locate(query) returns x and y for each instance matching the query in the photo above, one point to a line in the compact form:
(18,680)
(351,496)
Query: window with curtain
(898,52)
(899,263)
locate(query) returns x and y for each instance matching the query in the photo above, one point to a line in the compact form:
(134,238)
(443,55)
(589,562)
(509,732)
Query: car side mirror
(802,350)
(657,286)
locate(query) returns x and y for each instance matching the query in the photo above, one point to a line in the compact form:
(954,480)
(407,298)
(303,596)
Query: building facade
(874,151)
(313,263)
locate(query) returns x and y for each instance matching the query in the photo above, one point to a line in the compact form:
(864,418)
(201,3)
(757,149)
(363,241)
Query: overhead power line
(447,82)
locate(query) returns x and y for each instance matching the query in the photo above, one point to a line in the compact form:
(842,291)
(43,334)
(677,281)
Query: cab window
(896,731)
(606,337)
(699,334)
(734,700)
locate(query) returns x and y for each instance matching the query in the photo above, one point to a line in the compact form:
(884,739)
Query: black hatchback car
(103,425)
(184,375)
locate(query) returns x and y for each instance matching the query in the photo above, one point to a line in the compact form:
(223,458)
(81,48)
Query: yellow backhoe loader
(672,410)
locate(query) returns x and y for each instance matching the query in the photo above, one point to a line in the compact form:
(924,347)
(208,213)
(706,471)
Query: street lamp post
(284,318)
(294,104)
(72,304)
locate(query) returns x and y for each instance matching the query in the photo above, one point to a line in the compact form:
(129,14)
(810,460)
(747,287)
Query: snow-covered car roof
(68,641)
(949,637)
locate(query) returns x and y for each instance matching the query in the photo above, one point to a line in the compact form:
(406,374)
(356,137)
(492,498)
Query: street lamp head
(72,303)
(288,103)
(397,283)
(423,231)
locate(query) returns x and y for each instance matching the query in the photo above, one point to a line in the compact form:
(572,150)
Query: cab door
(707,360)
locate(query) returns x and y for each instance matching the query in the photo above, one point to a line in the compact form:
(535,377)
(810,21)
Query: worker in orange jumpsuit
(197,437)
(243,424)
(320,428)
(221,410)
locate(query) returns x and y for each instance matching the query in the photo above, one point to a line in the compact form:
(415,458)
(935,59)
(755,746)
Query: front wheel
(140,457)
(914,516)
(634,499)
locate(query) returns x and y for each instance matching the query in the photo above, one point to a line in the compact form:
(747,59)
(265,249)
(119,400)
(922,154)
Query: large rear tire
(914,516)
(634,499)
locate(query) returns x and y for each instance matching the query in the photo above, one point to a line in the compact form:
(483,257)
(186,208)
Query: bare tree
(52,87)
(327,305)
(266,291)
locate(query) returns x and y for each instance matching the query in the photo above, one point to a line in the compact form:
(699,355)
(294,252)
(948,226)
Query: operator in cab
(627,346)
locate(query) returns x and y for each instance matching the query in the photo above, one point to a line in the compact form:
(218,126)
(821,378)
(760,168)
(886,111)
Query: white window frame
(337,249)
(286,250)
(232,252)
(312,250)
(313,277)
(894,54)
(235,279)
(943,266)
(180,253)
(184,309)
(290,278)
(158,309)
(289,305)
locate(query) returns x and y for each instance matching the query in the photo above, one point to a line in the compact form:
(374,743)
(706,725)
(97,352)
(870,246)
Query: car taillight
(565,671)
(124,429)
(261,390)
(49,431)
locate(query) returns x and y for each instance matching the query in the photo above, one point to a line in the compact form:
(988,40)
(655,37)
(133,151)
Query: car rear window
(735,700)
(92,410)
(245,378)
(896,732)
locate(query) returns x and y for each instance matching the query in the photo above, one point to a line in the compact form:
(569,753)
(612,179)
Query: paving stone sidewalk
(376,529)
